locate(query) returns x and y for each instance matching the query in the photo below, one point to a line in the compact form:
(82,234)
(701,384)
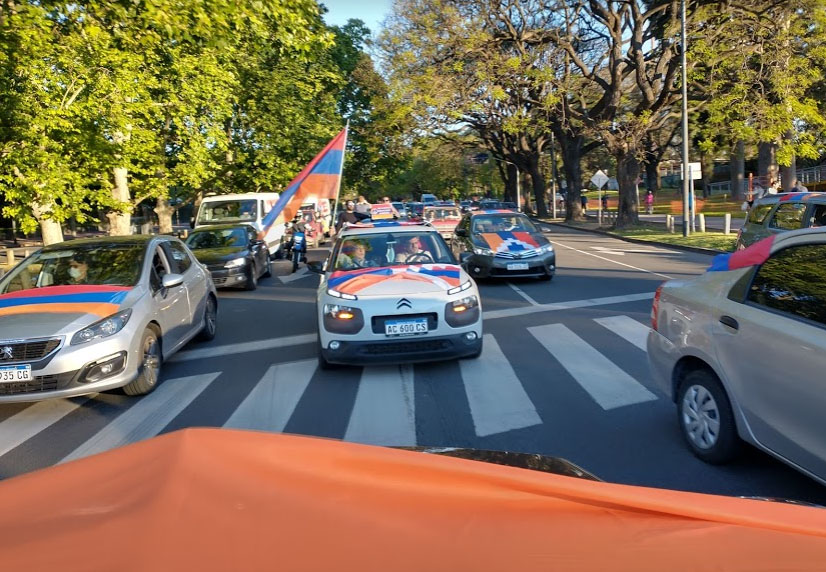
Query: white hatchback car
(391,292)
(741,350)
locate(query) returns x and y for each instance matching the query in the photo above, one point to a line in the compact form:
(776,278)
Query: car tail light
(655,307)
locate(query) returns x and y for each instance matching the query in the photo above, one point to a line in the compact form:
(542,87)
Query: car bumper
(480,266)
(410,349)
(662,358)
(63,374)
(229,277)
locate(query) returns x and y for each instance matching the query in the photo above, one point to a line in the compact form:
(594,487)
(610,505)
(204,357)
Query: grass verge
(713,240)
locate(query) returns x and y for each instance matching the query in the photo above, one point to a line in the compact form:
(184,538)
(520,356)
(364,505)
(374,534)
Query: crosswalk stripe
(148,416)
(497,400)
(242,347)
(606,383)
(24,425)
(384,412)
(628,328)
(271,403)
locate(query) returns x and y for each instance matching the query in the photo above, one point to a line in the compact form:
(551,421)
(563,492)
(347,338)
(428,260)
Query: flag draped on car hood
(98,300)
(219,499)
(320,178)
(506,241)
(419,278)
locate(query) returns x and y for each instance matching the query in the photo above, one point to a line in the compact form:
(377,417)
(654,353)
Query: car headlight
(235,263)
(546,248)
(482,250)
(104,328)
(342,295)
(461,288)
(340,312)
(464,304)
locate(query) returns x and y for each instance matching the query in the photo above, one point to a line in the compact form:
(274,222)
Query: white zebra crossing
(384,409)
(148,416)
(604,381)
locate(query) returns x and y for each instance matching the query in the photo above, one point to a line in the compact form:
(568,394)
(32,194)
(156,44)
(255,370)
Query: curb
(695,249)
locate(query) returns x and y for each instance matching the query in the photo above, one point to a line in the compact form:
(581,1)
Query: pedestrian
(584,200)
(649,202)
(348,216)
(605,202)
(362,206)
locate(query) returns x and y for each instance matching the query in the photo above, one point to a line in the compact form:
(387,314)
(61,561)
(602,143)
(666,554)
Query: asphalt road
(563,373)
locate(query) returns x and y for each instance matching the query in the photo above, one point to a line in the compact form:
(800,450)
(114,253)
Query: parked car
(502,244)
(90,315)
(740,350)
(233,254)
(391,292)
(443,218)
(783,212)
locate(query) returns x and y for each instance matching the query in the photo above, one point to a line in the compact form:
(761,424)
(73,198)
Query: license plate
(12,373)
(518,266)
(405,327)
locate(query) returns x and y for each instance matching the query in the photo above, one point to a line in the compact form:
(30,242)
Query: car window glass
(788,216)
(181,256)
(387,249)
(818,216)
(160,268)
(758,213)
(793,280)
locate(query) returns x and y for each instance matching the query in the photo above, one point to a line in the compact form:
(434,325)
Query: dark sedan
(502,244)
(233,253)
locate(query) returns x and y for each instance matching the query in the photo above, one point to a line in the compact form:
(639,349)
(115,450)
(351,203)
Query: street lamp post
(686,174)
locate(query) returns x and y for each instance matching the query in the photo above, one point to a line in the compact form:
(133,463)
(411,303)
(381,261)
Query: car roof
(382,227)
(237,196)
(496,212)
(784,197)
(138,239)
(209,227)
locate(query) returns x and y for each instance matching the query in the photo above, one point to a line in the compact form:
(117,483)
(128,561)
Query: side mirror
(464,256)
(461,232)
(317,266)
(172,280)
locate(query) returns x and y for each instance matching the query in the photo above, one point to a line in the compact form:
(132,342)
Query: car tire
(268,268)
(207,333)
(252,277)
(546,277)
(706,419)
(150,367)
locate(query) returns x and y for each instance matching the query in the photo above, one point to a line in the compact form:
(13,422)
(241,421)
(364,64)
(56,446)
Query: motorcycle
(298,247)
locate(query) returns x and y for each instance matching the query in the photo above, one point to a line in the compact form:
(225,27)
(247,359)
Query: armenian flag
(320,178)
(755,254)
(99,300)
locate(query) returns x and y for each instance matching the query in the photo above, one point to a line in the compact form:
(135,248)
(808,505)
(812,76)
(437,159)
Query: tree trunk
(164,211)
(788,173)
(120,222)
(652,176)
(707,172)
(50,229)
(767,162)
(572,164)
(628,172)
(538,183)
(510,183)
(737,168)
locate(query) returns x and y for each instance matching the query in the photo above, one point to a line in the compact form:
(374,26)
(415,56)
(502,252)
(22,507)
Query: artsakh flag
(755,254)
(510,241)
(320,178)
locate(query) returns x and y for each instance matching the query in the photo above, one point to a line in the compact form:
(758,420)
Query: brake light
(655,307)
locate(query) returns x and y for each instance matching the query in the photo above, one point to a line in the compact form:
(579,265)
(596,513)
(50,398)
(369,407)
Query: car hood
(215,255)
(397,280)
(510,241)
(60,310)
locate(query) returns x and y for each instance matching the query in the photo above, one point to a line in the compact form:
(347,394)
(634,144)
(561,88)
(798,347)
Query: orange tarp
(213,499)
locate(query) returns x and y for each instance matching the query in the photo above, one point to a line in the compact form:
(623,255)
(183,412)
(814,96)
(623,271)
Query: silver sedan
(742,350)
(92,315)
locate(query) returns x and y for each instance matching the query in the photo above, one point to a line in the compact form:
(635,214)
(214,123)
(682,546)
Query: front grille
(219,281)
(517,255)
(41,383)
(406,347)
(377,322)
(531,271)
(27,351)
(214,267)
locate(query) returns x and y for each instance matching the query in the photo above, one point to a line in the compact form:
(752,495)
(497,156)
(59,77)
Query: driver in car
(412,252)
(353,255)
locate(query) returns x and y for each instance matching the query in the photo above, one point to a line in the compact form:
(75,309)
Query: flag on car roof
(755,254)
(320,178)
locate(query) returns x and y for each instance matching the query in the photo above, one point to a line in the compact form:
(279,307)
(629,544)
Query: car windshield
(502,223)
(442,213)
(101,264)
(227,211)
(389,249)
(228,237)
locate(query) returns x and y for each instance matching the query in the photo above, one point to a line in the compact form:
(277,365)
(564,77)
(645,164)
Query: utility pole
(686,174)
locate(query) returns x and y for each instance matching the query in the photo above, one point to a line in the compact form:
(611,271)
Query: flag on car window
(320,179)
(755,254)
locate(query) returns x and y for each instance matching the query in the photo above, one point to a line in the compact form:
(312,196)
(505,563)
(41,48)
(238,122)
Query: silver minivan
(742,352)
(783,212)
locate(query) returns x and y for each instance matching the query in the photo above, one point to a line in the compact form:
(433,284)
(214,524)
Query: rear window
(758,214)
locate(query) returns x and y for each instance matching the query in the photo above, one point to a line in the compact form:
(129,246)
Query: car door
(460,244)
(171,304)
(771,346)
(196,280)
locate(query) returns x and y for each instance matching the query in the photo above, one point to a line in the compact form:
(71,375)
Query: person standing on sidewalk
(605,202)
(649,202)
(584,200)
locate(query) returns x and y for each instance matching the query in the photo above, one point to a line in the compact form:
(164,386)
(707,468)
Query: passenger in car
(353,255)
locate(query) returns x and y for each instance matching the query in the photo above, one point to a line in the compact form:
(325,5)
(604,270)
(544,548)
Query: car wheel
(268,268)
(546,277)
(252,277)
(207,333)
(706,419)
(150,367)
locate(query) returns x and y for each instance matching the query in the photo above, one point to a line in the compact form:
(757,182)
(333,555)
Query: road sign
(696,171)
(599,179)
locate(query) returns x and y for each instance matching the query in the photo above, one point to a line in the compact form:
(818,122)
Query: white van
(248,208)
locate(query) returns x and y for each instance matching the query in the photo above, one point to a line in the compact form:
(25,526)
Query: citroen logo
(403,303)
(8,353)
